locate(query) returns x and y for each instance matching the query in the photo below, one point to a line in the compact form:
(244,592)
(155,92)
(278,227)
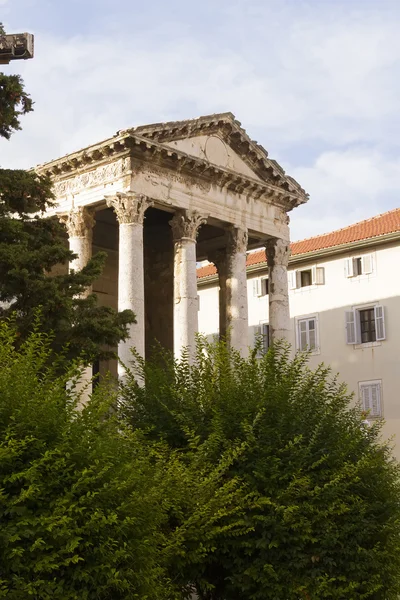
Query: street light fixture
(15,46)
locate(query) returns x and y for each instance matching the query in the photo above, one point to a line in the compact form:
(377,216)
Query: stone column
(278,251)
(79,223)
(130,208)
(185,226)
(237,320)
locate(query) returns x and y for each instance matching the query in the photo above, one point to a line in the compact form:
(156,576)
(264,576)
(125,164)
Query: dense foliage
(327,518)
(34,250)
(90,510)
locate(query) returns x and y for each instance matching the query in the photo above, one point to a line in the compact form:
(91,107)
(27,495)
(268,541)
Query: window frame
(265,337)
(353,325)
(260,286)
(317,277)
(307,318)
(367,265)
(369,384)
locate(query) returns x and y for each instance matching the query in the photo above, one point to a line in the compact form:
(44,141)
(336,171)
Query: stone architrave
(237,321)
(79,223)
(185,226)
(278,252)
(129,208)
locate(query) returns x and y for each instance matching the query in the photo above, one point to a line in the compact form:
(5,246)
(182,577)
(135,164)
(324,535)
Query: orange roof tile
(385,223)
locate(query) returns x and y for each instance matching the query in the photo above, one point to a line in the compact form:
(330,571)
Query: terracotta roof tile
(385,223)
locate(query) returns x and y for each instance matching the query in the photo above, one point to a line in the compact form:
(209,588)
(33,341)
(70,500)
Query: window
(307,333)
(365,325)
(262,332)
(370,397)
(358,265)
(260,286)
(306,277)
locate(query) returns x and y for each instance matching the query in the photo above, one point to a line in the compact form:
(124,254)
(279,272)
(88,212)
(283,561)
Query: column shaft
(130,208)
(185,225)
(236,291)
(79,223)
(277,251)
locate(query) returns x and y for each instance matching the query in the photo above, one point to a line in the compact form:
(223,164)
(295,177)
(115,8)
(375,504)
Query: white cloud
(323,76)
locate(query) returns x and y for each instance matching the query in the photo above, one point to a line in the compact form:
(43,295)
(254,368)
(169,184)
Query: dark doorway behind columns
(158,280)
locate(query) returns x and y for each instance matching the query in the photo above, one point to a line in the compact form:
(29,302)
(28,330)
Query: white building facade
(344,298)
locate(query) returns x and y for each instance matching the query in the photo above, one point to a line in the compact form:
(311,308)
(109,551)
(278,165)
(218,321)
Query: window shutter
(257,335)
(292,280)
(380,323)
(366,397)
(366,264)
(256,287)
(198,302)
(318,275)
(371,398)
(375,396)
(264,286)
(351,337)
(302,335)
(348,267)
(298,279)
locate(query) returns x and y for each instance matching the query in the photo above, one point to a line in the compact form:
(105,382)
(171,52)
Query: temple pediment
(221,140)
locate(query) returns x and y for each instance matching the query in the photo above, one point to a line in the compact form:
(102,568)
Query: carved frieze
(104,174)
(129,207)
(79,222)
(186,224)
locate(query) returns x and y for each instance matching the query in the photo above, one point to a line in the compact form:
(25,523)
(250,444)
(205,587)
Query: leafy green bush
(90,509)
(324,521)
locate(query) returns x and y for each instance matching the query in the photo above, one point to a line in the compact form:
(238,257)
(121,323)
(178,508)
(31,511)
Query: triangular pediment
(214,150)
(221,140)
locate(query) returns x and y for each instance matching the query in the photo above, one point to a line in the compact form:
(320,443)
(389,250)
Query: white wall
(329,301)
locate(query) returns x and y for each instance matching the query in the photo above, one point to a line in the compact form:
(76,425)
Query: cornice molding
(132,145)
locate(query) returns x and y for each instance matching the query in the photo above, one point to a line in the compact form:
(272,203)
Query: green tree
(31,246)
(89,508)
(326,518)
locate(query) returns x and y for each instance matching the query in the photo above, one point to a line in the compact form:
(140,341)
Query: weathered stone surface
(277,252)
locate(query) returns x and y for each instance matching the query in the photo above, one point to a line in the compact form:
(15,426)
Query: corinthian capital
(129,207)
(79,222)
(237,240)
(186,224)
(278,252)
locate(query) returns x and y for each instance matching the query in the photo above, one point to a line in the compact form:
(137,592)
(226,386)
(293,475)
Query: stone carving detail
(237,239)
(104,174)
(79,222)
(186,224)
(129,207)
(281,216)
(278,252)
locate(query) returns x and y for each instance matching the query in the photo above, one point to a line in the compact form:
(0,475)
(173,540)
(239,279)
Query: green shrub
(324,521)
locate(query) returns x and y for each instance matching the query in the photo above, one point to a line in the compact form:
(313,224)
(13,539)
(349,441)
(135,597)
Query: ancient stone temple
(158,199)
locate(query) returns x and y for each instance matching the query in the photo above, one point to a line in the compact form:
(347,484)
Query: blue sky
(316,82)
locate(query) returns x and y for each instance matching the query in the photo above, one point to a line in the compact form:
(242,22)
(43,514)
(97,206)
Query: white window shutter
(256,287)
(292,280)
(375,400)
(380,323)
(348,267)
(366,264)
(303,335)
(257,335)
(318,275)
(298,279)
(366,397)
(351,333)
